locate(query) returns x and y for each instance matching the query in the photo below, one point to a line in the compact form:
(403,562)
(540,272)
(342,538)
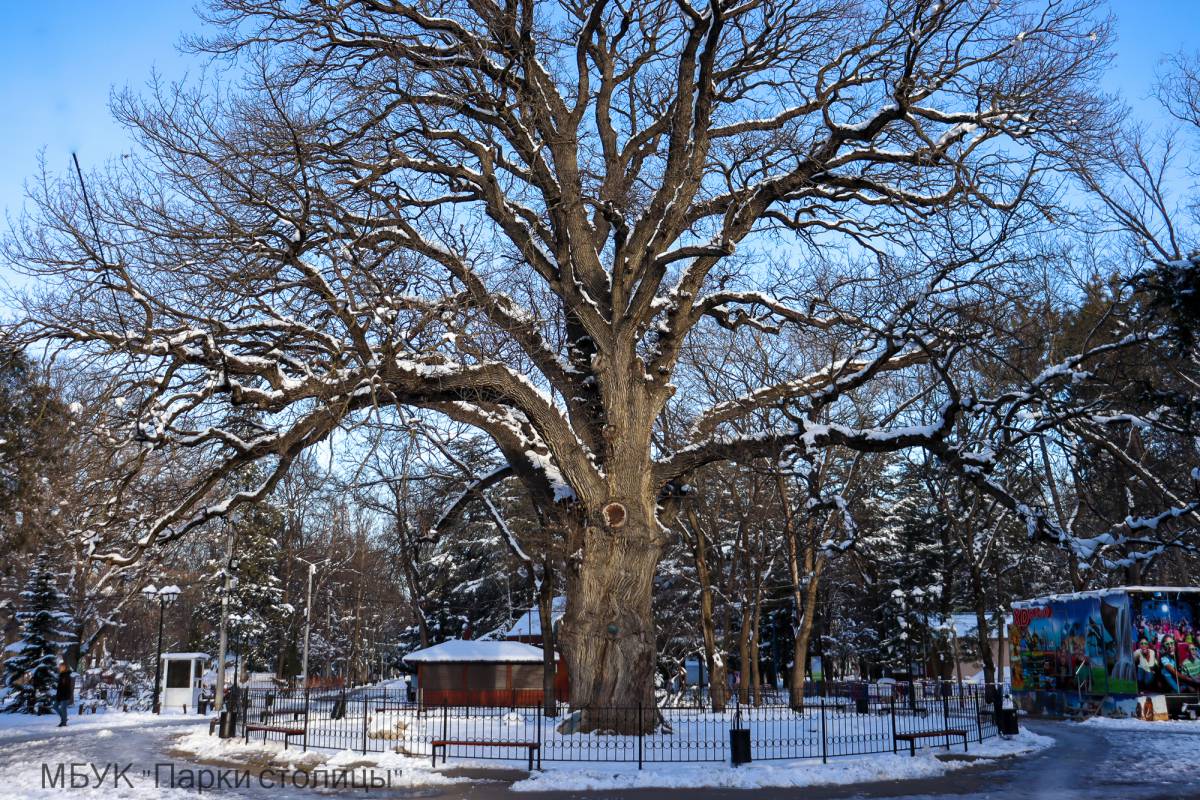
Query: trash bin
(739,746)
(228,724)
(202,706)
(1008,722)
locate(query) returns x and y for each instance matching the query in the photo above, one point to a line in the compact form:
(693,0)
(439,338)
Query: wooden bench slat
(276,729)
(919,734)
(444,743)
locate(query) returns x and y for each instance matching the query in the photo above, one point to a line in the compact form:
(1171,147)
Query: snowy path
(1123,761)
(1103,761)
(26,744)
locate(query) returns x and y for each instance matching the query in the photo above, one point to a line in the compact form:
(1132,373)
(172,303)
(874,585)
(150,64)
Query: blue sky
(60,59)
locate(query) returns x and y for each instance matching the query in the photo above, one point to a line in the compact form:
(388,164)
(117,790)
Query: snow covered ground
(1124,759)
(1150,751)
(567,776)
(19,726)
(377,721)
(843,770)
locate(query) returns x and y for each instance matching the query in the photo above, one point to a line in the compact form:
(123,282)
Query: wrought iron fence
(841,719)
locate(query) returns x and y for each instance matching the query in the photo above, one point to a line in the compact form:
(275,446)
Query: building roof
(184,656)
(530,623)
(1050,598)
(485,650)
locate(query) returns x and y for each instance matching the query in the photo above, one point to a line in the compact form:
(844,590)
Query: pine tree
(257,612)
(45,623)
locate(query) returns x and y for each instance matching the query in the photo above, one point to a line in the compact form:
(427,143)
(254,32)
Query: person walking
(64,693)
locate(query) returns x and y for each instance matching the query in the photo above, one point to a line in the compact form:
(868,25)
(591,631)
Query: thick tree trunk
(805,599)
(804,564)
(608,631)
(806,608)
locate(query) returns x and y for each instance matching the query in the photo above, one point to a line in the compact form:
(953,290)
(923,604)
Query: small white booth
(181,680)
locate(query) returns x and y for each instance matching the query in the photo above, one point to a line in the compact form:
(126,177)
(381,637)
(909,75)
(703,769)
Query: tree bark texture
(608,630)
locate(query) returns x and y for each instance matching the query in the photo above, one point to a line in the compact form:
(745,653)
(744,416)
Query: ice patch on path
(780,774)
(104,734)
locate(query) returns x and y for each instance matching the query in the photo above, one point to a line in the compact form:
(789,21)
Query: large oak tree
(518,215)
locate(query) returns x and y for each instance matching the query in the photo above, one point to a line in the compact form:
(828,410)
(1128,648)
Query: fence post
(824,738)
(946,717)
(978,719)
(540,721)
(366,718)
(641,734)
(892,703)
(304,745)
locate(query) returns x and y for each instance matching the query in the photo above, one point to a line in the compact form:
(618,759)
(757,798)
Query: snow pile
(763,774)
(1145,726)
(405,771)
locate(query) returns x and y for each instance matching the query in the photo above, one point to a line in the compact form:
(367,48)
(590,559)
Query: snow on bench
(912,737)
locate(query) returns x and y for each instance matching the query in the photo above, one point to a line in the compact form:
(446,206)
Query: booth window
(179,674)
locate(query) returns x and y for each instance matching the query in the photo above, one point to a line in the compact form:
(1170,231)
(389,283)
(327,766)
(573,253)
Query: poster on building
(1165,653)
(1079,645)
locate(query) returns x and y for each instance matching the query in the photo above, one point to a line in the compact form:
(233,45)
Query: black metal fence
(836,720)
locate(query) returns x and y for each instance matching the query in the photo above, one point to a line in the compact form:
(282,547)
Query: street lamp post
(164,596)
(235,620)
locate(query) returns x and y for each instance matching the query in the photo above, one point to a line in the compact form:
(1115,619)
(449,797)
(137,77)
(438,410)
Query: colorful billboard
(1080,645)
(1165,653)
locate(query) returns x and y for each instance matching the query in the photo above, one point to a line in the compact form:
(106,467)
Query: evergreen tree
(257,611)
(45,624)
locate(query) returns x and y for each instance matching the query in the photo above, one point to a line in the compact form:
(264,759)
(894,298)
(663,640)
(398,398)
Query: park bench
(384,707)
(288,733)
(912,737)
(296,713)
(532,747)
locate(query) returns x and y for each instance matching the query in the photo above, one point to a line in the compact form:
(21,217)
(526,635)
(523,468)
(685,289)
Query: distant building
(528,628)
(959,633)
(482,672)
(181,679)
